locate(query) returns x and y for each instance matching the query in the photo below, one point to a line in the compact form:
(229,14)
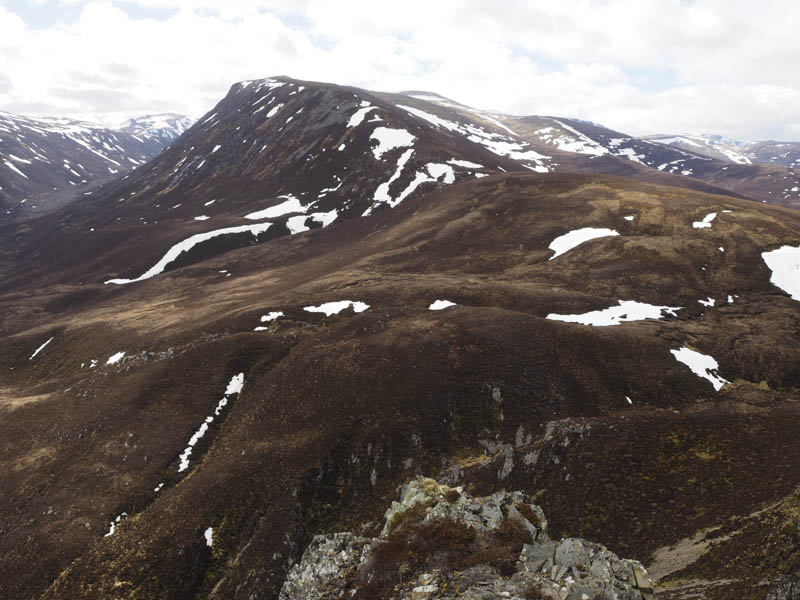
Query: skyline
(640,67)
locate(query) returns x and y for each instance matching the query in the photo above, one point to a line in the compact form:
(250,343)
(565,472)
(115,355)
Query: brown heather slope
(337,411)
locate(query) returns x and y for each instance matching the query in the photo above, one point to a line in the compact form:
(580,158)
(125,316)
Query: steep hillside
(44,161)
(185,435)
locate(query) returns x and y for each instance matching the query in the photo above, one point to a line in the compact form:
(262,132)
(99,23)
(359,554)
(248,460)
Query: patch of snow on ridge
(325,218)
(785,266)
(209,533)
(441,305)
(580,144)
(114,524)
(115,358)
(432,119)
(568,241)
(432,172)
(464,163)
(271,316)
(706,222)
(40,348)
(274,110)
(15,169)
(707,303)
(382,193)
(499,144)
(234,388)
(389,139)
(628,310)
(190,243)
(334,308)
(439,171)
(296,224)
(290,205)
(701,365)
(358,116)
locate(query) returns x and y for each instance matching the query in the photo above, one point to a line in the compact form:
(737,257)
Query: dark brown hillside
(336,411)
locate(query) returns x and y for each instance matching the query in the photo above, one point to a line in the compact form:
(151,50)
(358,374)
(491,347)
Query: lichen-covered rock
(787,589)
(328,563)
(439,542)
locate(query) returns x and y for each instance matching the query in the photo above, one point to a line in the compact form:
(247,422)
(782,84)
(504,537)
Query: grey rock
(570,569)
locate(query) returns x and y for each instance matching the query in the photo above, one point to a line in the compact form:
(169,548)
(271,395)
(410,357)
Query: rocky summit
(439,542)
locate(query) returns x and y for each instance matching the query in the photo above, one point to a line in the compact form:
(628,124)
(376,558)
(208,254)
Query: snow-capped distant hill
(166,126)
(719,162)
(735,151)
(713,146)
(45,159)
(778,153)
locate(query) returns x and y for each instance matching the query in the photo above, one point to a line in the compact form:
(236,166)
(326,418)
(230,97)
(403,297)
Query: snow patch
(464,163)
(271,316)
(785,266)
(115,358)
(568,241)
(190,243)
(441,305)
(388,139)
(234,387)
(358,116)
(628,310)
(334,308)
(290,205)
(706,222)
(40,348)
(701,365)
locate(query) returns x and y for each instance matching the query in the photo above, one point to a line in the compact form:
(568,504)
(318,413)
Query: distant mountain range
(735,151)
(46,161)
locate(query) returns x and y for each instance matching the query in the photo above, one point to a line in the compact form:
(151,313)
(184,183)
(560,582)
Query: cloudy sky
(639,66)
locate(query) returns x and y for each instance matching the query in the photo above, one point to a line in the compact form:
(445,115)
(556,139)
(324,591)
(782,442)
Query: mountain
(45,160)
(166,126)
(298,155)
(319,293)
(735,151)
(772,183)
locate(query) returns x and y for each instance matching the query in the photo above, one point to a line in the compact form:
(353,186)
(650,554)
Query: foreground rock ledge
(439,542)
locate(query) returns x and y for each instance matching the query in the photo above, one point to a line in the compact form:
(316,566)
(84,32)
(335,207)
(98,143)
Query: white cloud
(639,66)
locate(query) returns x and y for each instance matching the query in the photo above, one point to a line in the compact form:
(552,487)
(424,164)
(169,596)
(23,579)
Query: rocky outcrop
(787,589)
(439,542)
